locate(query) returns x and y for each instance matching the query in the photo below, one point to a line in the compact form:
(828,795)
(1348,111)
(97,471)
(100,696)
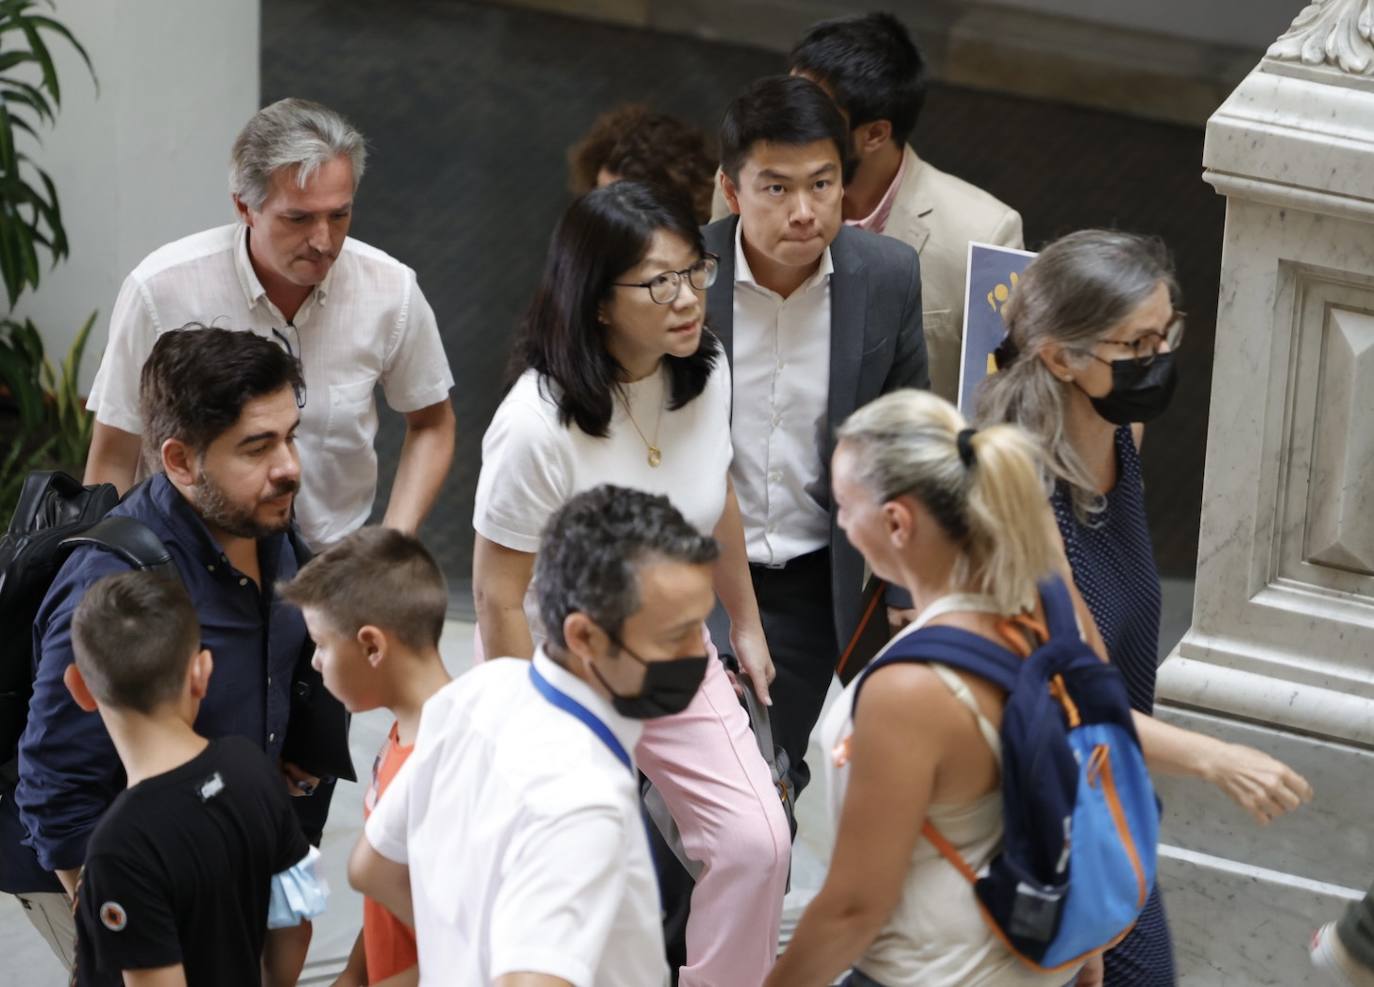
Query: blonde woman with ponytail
(1093,332)
(958,518)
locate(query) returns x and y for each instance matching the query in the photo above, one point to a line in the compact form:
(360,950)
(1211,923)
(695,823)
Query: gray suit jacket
(876,346)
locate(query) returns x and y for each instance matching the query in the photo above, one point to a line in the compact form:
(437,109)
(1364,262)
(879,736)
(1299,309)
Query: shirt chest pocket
(352,416)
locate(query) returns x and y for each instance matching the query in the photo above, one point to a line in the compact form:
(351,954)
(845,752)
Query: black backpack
(55,515)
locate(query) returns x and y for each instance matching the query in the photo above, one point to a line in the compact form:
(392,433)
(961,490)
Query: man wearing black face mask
(521,799)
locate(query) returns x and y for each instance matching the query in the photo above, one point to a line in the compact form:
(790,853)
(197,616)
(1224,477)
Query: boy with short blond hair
(375,605)
(178,873)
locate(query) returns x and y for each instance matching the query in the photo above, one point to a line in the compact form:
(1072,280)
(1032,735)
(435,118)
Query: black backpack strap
(130,539)
(950,646)
(1060,619)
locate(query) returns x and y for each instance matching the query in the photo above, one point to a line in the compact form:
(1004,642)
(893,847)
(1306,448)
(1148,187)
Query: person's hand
(757,664)
(1092,973)
(348,979)
(897,618)
(1261,785)
(299,782)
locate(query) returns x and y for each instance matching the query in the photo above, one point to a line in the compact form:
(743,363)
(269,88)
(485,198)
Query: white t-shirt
(532,463)
(529,850)
(366,323)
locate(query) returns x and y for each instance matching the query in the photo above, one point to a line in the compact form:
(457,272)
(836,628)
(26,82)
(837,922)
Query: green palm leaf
(30,217)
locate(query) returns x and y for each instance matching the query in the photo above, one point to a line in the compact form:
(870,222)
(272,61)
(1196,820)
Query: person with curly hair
(634,142)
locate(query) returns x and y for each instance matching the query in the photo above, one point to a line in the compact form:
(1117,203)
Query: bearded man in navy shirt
(222,409)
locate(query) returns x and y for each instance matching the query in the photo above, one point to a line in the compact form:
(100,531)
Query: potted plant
(43,422)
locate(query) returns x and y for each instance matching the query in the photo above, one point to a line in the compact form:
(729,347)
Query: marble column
(1281,651)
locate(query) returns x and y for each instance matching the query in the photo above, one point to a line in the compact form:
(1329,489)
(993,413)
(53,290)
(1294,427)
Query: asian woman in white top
(968,534)
(622,382)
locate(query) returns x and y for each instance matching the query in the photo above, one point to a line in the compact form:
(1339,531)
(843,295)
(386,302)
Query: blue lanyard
(568,704)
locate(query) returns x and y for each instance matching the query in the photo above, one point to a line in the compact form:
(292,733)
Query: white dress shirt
(782,390)
(366,323)
(523,830)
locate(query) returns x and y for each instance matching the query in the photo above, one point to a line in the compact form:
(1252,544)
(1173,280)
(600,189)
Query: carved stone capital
(1331,32)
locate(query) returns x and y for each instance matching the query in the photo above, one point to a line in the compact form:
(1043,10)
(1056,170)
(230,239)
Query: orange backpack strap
(1023,632)
(948,851)
(877,591)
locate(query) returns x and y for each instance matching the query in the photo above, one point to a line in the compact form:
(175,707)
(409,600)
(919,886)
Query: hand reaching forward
(1262,785)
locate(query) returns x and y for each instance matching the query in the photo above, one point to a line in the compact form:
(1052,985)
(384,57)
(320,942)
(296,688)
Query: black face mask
(669,686)
(1139,392)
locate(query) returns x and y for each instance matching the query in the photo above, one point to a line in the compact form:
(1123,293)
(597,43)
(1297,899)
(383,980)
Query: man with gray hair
(520,805)
(349,314)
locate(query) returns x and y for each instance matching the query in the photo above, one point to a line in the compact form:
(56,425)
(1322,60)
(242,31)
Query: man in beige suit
(874,71)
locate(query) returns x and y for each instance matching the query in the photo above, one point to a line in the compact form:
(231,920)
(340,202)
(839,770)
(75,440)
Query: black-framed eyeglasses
(665,288)
(1146,347)
(294,352)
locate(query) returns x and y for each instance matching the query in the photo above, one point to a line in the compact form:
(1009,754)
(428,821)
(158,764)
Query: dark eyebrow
(294,213)
(771,174)
(248,440)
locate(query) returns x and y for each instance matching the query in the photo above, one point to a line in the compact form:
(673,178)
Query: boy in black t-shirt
(178,873)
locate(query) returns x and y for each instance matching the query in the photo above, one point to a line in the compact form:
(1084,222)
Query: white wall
(1242,23)
(145,160)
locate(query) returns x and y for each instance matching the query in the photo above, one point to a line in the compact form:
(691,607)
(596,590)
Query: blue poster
(992,274)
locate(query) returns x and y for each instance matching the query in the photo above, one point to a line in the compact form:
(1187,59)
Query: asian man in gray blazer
(817,319)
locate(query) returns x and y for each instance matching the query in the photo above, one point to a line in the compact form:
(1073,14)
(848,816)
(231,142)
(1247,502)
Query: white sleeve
(415,373)
(563,879)
(388,827)
(525,477)
(133,330)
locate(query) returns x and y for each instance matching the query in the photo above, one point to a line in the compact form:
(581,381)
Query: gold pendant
(655,457)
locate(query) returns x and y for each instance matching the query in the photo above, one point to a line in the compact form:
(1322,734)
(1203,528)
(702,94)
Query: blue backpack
(1079,813)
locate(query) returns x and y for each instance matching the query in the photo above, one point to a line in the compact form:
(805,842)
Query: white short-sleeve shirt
(527,848)
(532,463)
(366,323)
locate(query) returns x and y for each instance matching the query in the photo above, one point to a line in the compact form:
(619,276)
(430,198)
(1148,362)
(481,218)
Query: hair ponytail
(994,506)
(1009,546)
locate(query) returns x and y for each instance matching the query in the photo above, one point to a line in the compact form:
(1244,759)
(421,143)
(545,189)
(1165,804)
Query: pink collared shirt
(876,221)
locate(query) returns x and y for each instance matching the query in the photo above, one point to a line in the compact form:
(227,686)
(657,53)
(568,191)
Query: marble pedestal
(1281,651)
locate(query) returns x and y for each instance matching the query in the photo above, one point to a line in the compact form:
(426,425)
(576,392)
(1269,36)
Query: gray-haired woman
(1093,333)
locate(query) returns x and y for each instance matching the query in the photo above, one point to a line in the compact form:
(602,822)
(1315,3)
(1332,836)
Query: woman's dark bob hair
(601,236)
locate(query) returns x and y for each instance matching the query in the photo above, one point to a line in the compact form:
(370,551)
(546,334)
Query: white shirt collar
(626,730)
(744,275)
(248,278)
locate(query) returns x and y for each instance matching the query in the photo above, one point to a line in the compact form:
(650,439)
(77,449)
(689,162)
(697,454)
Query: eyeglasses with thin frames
(294,352)
(665,288)
(1145,348)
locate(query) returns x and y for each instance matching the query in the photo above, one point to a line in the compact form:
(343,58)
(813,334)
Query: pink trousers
(706,763)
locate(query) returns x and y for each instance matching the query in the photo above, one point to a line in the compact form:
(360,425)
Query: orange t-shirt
(388,944)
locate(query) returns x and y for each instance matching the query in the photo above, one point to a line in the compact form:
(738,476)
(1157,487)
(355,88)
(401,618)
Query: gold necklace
(655,453)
